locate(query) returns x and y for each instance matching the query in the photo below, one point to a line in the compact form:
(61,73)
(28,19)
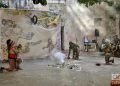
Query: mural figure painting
(50,45)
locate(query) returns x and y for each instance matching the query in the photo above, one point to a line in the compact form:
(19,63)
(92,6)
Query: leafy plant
(42,2)
(117,7)
(3,5)
(92,2)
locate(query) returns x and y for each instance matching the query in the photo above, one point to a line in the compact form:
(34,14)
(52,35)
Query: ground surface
(39,72)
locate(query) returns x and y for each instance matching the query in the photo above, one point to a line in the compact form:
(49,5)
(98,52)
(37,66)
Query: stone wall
(82,21)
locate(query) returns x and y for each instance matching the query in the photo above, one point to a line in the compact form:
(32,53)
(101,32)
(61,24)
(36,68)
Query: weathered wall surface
(82,21)
(17,25)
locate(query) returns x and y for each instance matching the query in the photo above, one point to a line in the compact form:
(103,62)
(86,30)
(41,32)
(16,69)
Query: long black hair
(9,43)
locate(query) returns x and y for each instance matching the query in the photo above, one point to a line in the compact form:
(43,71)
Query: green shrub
(3,5)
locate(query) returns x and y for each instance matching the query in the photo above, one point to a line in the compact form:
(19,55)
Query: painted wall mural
(47,20)
(30,28)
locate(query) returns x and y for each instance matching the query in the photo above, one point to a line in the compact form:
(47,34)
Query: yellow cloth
(5,54)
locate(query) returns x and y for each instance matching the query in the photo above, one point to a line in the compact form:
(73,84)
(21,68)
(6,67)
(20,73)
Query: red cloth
(12,64)
(12,56)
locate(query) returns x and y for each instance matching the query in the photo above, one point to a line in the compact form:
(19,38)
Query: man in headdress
(75,48)
(108,54)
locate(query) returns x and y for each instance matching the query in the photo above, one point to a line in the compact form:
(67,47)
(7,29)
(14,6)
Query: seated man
(86,43)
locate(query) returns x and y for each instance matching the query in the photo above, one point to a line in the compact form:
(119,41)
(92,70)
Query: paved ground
(41,73)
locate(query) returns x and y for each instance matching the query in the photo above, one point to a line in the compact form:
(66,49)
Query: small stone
(98,64)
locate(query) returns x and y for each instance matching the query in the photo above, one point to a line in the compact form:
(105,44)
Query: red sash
(12,56)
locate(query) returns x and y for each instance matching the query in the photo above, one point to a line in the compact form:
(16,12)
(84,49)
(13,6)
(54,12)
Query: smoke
(57,56)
